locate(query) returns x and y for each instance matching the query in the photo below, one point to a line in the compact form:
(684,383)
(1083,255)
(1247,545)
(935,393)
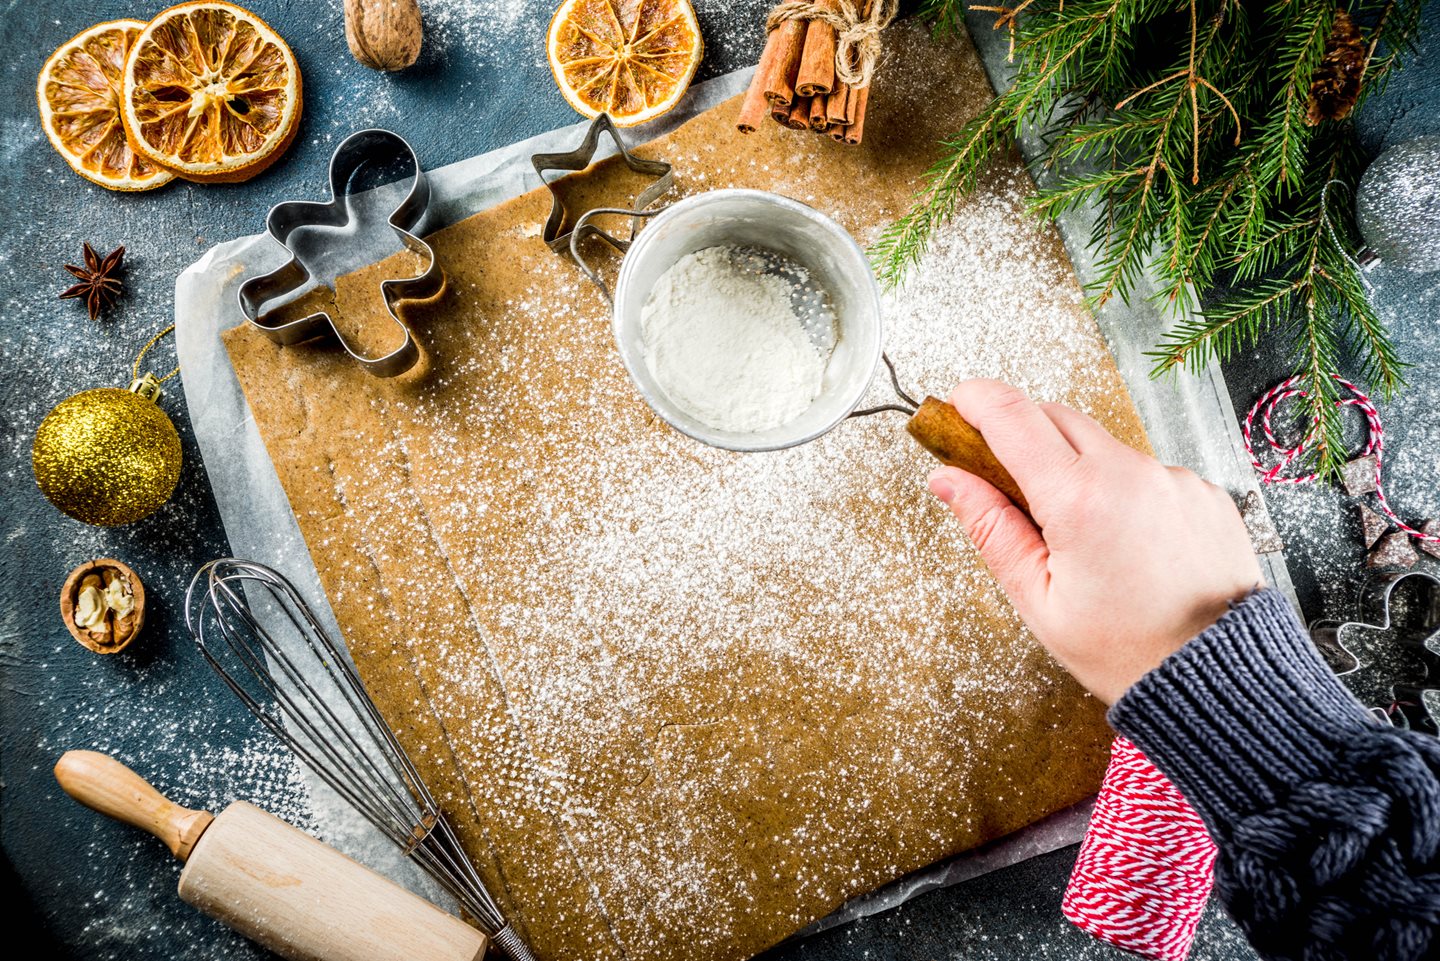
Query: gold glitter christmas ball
(107,456)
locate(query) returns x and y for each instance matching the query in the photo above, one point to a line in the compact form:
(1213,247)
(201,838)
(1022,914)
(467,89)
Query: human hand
(1125,560)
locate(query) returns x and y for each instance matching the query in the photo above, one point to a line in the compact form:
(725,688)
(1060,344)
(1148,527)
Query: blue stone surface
(90,888)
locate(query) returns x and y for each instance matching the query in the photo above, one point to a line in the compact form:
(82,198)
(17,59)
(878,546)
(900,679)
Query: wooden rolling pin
(274,883)
(943,432)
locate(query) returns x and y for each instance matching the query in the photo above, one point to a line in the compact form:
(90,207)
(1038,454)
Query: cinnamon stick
(855,130)
(819,120)
(757,97)
(836,104)
(779,73)
(854,127)
(754,107)
(816,74)
(799,116)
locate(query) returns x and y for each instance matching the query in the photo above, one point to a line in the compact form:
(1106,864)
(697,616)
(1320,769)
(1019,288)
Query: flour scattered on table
(483,26)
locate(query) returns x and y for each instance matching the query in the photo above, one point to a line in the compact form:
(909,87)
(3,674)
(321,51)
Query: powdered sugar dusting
(689,700)
(475,26)
(1008,306)
(683,637)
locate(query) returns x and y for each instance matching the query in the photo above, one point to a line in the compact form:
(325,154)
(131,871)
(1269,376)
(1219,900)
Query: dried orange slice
(211,92)
(631,59)
(79,96)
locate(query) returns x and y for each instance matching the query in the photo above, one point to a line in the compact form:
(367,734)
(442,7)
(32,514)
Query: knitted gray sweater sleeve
(1328,822)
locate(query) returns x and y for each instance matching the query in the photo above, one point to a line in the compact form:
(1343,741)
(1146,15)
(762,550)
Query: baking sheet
(1187,422)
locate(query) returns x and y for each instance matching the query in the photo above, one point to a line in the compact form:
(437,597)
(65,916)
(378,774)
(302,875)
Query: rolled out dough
(682,702)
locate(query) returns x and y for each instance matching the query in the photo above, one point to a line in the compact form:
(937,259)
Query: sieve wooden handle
(943,432)
(103,784)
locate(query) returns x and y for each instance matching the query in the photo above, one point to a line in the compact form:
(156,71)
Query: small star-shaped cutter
(1417,628)
(580,158)
(284,219)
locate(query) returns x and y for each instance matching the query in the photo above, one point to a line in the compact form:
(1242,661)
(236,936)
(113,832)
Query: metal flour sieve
(837,265)
(771,223)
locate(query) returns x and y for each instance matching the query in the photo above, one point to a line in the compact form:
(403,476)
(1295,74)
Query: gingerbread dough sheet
(682,702)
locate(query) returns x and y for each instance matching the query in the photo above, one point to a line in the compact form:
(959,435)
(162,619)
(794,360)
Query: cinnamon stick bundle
(796,82)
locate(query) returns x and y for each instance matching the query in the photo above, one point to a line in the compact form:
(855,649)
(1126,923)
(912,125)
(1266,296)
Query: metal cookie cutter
(1408,619)
(578,159)
(284,219)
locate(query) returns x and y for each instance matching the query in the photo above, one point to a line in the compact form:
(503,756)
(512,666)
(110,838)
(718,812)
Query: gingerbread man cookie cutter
(296,274)
(1414,624)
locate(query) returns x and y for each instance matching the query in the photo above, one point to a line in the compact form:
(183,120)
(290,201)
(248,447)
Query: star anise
(99,281)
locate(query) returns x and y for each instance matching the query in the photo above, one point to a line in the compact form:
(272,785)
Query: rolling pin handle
(941,430)
(103,784)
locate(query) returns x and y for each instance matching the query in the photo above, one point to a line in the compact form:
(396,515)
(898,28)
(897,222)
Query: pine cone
(1336,85)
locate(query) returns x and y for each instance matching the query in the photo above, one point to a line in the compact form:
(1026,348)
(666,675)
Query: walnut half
(103,605)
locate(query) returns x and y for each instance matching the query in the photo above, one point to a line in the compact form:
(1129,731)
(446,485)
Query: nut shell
(384,34)
(103,643)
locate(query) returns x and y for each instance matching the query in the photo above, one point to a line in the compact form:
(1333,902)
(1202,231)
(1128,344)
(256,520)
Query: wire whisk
(260,636)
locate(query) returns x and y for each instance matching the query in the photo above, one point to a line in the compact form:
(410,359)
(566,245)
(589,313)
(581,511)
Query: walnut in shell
(103,605)
(384,34)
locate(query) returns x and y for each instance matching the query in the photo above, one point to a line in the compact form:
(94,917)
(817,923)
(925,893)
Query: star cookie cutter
(1414,624)
(573,161)
(365,146)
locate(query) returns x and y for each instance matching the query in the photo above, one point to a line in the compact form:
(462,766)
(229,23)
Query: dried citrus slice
(631,59)
(211,92)
(79,96)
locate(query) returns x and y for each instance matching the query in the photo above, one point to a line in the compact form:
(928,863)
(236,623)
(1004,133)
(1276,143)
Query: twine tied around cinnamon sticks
(817,68)
(856,36)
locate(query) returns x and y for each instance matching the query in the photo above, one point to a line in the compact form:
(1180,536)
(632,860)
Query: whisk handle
(103,784)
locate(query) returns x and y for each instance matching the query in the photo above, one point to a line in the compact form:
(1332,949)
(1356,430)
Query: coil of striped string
(1145,868)
(1264,409)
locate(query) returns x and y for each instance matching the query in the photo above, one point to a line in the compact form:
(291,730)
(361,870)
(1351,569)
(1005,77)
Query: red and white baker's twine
(1374,443)
(1146,866)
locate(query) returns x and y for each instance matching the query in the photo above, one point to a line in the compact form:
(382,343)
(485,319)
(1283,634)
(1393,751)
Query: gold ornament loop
(135,368)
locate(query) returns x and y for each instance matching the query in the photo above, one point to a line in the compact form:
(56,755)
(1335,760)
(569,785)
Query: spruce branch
(944,16)
(1186,125)
(905,241)
(1234,325)
(1299,51)
(1319,353)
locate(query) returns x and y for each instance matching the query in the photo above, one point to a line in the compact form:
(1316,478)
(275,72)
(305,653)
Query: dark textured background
(95,889)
